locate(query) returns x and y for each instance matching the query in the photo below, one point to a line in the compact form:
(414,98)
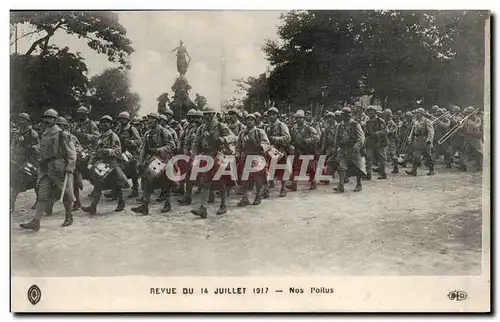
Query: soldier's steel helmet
(257,115)
(408,114)
(233,111)
(24,116)
(370,108)
(337,113)
(124,115)
(299,113)
(82,109)
(198,113)
(153,115)
(387,112)
(50,113)
(106,118)
(163,118)
(420,110)
(251,115)
(209,110)
(191,112)
(169,112)
(346,111)
(455,109)
(330,114)
(273,110)
(62,121)
(469,110)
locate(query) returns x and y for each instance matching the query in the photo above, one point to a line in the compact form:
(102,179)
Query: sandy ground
(400,226)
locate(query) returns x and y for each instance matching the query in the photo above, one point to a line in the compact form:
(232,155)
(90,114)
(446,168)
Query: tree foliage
(398,57)
(101,30)
(57,80)
(110,94)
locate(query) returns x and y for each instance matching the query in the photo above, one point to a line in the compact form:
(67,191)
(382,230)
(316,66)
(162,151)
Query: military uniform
(87,133)
(392,137)
(348,143)
(455,143)
(213,138)
(441,126)
(279,137)
(24,150)
(305,140)
(57,161)
(473,145)
(158,143)
(423,136)
(131,141)
(376,143)
(328,136)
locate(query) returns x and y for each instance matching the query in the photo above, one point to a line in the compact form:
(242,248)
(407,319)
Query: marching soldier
(176,126)
(328,134)
(441,126)
(158,143)
(305,139)
(279,136)
(77,176)
(234,124)
(57,162)
(109,151)
(349,140)
(392,137)
(457,140)
(473,145)
(196,119)
(376,142)
(423,136)
(86,130)
(212,138)
(131,141)
(404,133)
(24,148)
(252,141)
(166,124)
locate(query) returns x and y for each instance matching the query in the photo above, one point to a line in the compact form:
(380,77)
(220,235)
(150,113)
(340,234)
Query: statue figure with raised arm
(182,62)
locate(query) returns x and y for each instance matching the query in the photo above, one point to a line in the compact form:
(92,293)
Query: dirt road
(400,226)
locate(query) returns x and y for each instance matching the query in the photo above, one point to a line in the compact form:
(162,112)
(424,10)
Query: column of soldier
(115,150)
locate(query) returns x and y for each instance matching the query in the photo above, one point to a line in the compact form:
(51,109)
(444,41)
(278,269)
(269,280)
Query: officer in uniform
(305,140)
(251,142)
(423,136)
(212,139)
(158,143)
(376,143)
(279,137)
(57,161)
(392,137)
(24,148)
(109,151)
(349,141)
(131,141)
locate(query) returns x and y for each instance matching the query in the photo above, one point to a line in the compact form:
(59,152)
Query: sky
(206,35)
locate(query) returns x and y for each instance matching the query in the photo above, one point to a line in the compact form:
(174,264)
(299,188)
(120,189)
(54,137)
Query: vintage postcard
(250,161)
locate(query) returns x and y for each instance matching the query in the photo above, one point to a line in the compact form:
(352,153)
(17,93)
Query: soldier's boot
(211,196)
(431,170)
(186,200)
(258,194)
(182,188)
(244,199)
(340,186)
(142,210)
(34,224)
(223,202)
(283,189)
(166,206)
(77,204)
(292,186)
(448,166)
(358,187)
(112,194)
(68,216)
(462,168)
(265,192)
(201,212)
(368,176)
(92,209)
(412,172)
(121,202)
(312,185)
(382,176)
(272,185)
(396,167)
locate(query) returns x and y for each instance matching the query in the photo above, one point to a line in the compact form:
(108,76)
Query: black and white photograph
(235,144)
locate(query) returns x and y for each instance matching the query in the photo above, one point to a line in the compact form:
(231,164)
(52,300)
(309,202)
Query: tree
(110,94)
(35,86)
(101,30)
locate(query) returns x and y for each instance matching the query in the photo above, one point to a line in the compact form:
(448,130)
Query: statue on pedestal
(182,62)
